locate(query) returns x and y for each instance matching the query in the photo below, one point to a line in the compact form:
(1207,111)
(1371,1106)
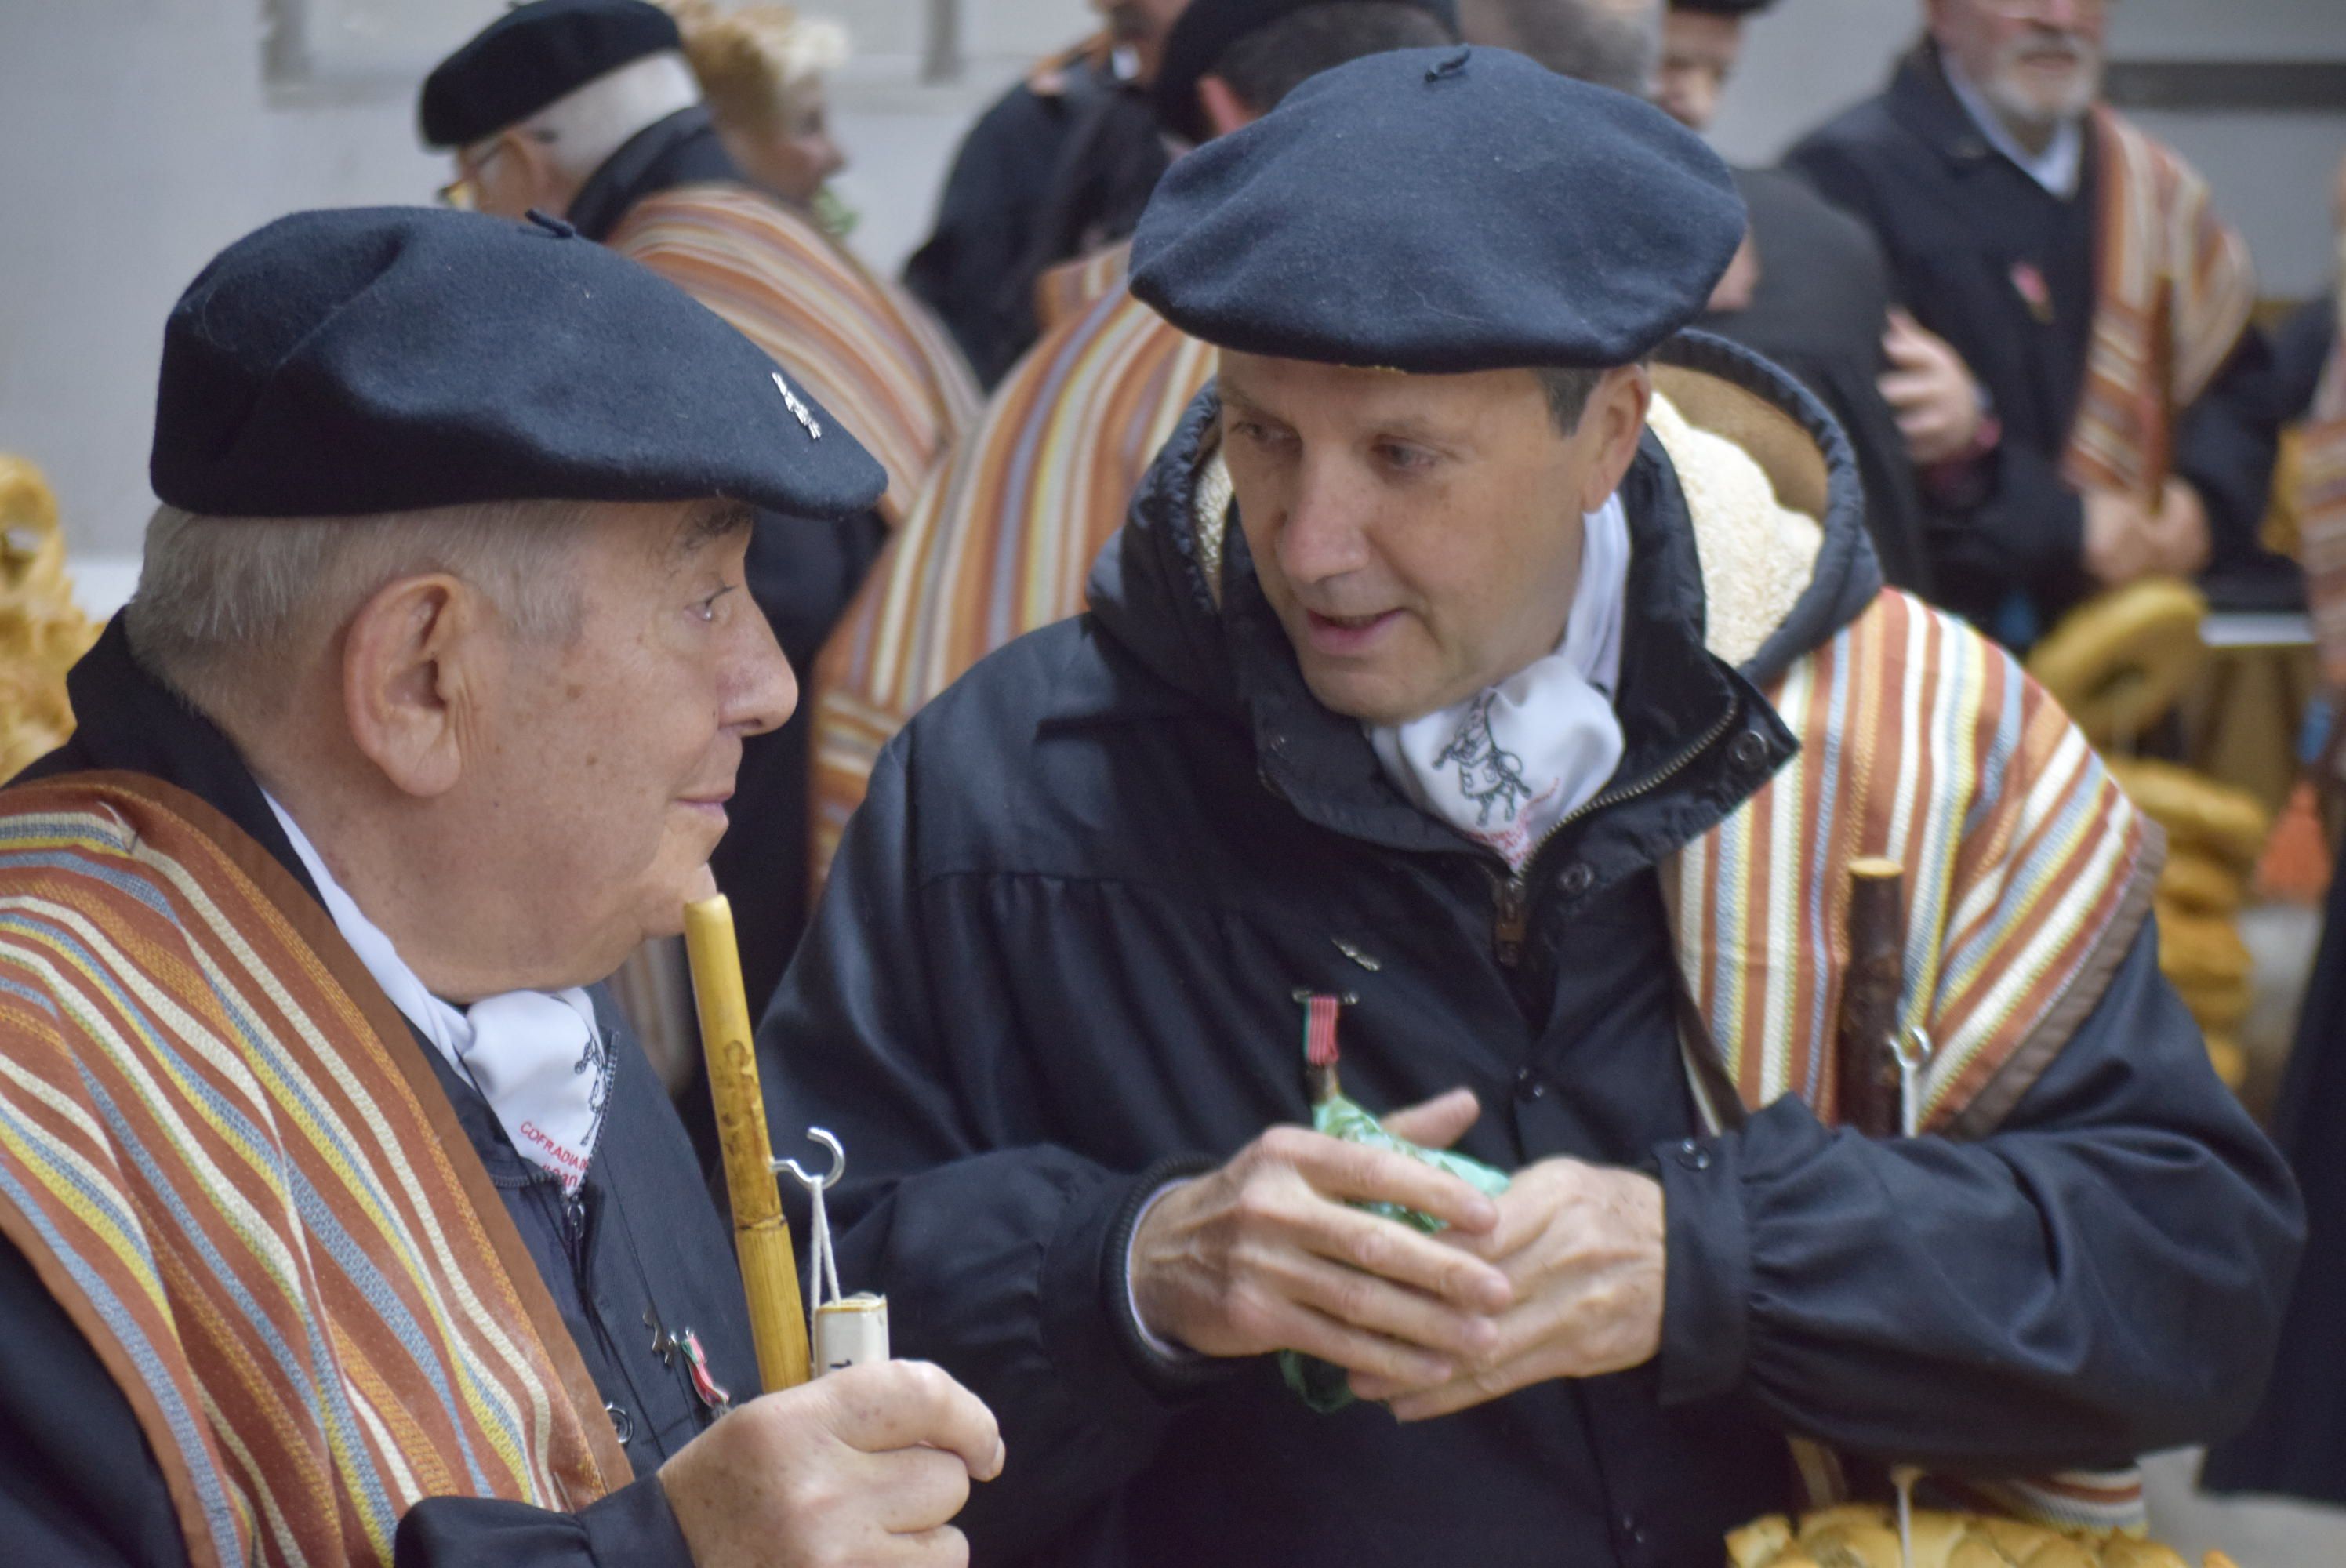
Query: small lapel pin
(796,407)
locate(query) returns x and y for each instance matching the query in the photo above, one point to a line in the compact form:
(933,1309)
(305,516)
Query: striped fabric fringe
(1004,535)
(2175,289)
(2028,873)
(214,1153)
(870,353)
(2320,503)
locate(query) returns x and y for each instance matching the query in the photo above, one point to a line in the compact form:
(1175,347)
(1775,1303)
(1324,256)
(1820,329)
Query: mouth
(1345,634)
(712,806)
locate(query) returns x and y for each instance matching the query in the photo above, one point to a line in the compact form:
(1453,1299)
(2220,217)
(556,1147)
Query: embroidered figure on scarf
(595,1059)
(1489,775)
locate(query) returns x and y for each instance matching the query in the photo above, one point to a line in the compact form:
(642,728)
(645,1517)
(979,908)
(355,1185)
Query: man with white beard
(2092,423)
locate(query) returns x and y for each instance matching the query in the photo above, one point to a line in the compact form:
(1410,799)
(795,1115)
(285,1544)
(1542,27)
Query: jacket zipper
(1511,895)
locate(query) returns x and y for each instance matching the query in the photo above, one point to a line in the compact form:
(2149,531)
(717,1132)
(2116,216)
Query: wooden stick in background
(1866,1078)
(769,1267)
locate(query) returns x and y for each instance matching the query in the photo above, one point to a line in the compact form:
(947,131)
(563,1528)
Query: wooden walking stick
(761,1237)
(1868,1076)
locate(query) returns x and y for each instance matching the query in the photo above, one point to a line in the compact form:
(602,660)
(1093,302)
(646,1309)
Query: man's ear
(1613,422)
(421,661)
(1223,109)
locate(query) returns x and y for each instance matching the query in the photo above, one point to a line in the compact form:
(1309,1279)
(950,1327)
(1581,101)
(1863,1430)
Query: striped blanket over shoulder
(872,353)
(1004,535)
(226,1158)
(2320,501)
(2175,288)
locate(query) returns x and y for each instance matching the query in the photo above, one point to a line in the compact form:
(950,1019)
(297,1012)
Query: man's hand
(863,1466)
(2179,540)
(1583,1247)
(1264,1255)
(2120,543)
(1930,390)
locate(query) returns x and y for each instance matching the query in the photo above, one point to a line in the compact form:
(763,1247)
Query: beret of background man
(339,1208)
(1512,675)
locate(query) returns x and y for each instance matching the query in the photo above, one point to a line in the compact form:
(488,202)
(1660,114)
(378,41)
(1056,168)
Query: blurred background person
(761,71)
(2077,421)
(1061,165)
(1810,290)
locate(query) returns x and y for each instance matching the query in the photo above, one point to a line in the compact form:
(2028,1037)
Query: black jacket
(1055,965)
(1040,178)
(1955,218)
(79,1485)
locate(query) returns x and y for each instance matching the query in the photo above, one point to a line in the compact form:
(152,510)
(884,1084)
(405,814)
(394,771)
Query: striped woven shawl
(1005,532)
(871,354)
(228,1161)
(2175,288)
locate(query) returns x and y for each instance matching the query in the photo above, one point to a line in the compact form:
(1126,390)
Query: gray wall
(138,136)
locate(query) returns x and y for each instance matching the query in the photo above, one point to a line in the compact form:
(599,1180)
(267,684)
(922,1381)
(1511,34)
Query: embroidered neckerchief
(536,1056)
(1507,765)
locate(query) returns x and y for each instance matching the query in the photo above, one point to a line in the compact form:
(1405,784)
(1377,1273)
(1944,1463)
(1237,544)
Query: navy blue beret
(1442,210)
(1722,7)
(531,57)
(1204,33)
(391,358)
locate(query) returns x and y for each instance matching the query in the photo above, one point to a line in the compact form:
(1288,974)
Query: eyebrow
(718,520)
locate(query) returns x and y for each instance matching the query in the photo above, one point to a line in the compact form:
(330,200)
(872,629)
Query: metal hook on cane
(814,1183)
(825,1263)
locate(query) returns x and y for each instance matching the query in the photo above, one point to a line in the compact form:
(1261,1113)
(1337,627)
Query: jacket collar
(681,149)
(1921,99)
(128,719)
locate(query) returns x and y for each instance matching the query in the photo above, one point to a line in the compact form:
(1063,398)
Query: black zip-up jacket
(79,1486)
(1056,965)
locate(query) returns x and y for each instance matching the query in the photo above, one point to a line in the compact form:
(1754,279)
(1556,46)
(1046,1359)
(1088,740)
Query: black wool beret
(1442,210)
(392,359)
(1722,7)
(531,57)
(1204,32)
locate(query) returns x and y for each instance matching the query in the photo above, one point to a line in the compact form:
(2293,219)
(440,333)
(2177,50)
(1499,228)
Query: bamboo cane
(1868,1078)
(761,1237)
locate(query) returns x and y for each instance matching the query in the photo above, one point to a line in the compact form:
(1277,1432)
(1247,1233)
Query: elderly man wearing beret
(1492,691)
(341,1219)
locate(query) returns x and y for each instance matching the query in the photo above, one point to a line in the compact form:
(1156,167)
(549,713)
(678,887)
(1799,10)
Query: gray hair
(1614,44)
(229,608)
(1568,392)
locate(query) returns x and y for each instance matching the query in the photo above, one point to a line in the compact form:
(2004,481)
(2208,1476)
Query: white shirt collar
(2056,169)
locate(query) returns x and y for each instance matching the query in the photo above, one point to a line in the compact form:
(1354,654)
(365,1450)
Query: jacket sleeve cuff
(1170,1374)
(1707,1277)
(635,1528)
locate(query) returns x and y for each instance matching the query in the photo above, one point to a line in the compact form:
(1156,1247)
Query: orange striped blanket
(2174,291)
(1004,534)
(2320,501)
(226,1158)
(872,353)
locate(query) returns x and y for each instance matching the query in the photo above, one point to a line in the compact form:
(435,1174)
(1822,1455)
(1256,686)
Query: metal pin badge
(798,408)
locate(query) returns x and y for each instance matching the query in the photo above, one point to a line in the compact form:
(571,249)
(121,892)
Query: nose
(1321,537)
(760,691)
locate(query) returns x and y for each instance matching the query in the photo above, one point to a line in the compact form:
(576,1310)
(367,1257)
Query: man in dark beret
(588,109)
(1808,290)
(342,1220)
(1492,695)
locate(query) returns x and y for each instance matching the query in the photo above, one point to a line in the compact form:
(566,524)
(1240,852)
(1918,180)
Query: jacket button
(623,1425)
(1750,750)
(1574,878)
(1693,1155)
(1530,1086)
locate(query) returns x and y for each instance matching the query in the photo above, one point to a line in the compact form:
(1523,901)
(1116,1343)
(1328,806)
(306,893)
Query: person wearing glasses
(589,110)
(2075,383)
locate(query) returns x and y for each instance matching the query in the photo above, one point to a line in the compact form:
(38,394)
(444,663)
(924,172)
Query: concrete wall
(138,136)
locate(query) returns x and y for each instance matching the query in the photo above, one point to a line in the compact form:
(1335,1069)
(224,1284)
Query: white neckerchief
(2056,169)
(1507,765)
(536,1056)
